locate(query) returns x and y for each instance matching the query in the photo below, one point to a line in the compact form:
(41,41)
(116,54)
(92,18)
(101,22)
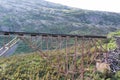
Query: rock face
(111,63)
(113,58)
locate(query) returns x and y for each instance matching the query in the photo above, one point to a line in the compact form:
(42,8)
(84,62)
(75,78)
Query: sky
(100,5)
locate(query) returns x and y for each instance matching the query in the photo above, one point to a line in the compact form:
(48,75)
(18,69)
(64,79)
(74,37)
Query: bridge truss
(75,54)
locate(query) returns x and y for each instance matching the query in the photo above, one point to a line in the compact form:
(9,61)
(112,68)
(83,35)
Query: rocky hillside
(43,16)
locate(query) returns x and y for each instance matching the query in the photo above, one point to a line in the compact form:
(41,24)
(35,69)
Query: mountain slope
(43,16)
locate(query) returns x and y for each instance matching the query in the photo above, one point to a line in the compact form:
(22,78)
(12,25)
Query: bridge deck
(49,34)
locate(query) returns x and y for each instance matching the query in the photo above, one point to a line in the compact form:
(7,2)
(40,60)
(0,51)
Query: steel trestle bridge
(78,52)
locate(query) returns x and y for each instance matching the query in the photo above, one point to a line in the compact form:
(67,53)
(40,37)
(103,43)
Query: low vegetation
(33,67)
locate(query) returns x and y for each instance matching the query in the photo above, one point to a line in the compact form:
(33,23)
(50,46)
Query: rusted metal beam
(49,34)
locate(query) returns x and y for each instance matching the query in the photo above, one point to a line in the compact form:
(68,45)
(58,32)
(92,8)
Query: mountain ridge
(43,16)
